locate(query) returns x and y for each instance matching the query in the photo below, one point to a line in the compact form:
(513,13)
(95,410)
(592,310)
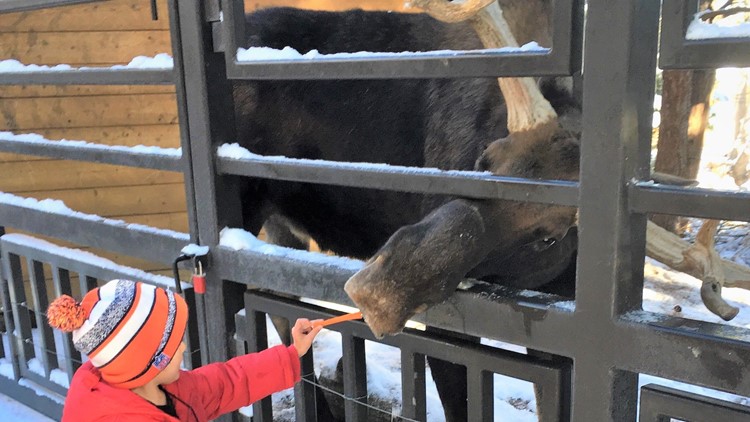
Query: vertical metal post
(479,395)
(86,283)
(210,123)
(37,279)
(620,52)
(71,356)
(21,334)
(305,399)
(257,340)
(7,310)
(414,394)
(4,302)
(355,378)
(179,81)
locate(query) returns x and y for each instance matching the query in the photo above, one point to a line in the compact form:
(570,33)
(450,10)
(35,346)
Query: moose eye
(544,244)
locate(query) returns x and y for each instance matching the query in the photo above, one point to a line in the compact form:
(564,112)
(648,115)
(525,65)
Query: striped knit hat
(129,330)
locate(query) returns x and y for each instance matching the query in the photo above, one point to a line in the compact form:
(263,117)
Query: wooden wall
(104,33)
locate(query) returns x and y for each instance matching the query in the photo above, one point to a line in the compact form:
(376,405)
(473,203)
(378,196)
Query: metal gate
(605,334)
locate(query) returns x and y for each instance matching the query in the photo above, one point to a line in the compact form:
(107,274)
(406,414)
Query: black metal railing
(37,354)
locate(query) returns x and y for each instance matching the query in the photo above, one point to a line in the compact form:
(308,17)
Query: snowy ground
(12,411)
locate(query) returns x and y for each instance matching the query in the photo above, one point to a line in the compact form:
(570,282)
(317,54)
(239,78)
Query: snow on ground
(13,411)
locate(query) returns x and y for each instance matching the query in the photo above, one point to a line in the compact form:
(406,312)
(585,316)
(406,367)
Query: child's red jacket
(209,391)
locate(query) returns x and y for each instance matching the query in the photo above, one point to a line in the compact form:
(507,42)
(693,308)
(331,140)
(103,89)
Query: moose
(418,247)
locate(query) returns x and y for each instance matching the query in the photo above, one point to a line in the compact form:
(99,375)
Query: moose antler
(530,114)
(528,111)
(701,261)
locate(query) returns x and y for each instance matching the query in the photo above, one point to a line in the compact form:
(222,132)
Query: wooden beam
(113,15)
(32,114)
(121,200)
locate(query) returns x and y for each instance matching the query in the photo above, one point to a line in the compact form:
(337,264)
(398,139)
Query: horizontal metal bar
(25,5)
(437,66)
(96,153)
(88,76)
(695,352)
(658,401)
(708,54)
(677,52)
(284,274)
(407,179)
(533,320)
(558,61)
(646,197)
(79,264)
(154,245)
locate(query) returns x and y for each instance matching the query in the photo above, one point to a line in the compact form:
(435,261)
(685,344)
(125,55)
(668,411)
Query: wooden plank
(32,91)
(30,114)
(81,48)
(176,221)
(130,261)
(113,15)
(164,136)
(63,174)
(120,201)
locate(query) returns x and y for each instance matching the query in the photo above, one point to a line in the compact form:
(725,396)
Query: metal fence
(607,336)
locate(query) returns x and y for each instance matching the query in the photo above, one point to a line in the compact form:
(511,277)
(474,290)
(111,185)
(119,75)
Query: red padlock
(199,280)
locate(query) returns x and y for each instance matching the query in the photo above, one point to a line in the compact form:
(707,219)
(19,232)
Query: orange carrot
(340,318)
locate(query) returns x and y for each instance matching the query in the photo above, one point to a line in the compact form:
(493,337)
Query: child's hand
(303,334)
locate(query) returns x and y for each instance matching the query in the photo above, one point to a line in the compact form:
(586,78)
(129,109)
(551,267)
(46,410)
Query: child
(132,334)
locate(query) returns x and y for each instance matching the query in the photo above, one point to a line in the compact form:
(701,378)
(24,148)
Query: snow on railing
(241,240)
(237,152)
(153,157)
(160,61)
(36,139)
(56,206)
(254,54)
(699,29)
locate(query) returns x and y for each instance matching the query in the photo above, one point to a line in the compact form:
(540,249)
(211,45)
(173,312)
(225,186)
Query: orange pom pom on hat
(129,330)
